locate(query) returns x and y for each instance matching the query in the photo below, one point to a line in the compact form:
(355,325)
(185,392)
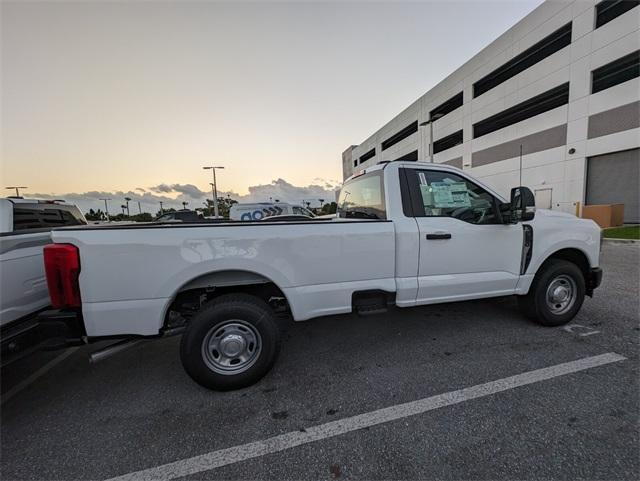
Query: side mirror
(523,204)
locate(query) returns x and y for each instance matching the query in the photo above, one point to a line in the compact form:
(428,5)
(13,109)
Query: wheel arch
(575,255)
(216,283)
(571,254)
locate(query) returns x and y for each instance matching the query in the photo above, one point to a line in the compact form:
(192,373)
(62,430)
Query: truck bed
(130,273)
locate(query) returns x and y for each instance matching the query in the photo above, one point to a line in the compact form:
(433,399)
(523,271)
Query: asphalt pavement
(138,413)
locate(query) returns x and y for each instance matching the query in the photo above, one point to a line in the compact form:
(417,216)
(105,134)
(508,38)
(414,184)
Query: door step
(368,303)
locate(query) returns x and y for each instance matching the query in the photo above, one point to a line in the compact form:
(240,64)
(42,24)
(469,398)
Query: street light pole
(215,187)
(215,198)
(430,124)
(17,189)
(215,194)
(106,207)
(127,199)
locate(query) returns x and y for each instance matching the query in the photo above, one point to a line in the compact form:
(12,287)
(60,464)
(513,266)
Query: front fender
(553,233)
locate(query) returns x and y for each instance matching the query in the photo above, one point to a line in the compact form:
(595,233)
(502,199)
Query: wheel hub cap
(231,347)
(561,294)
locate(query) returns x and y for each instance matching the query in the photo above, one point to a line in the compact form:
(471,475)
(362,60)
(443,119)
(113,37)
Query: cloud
(188,190)
(149,202)
(162,188)
(172,196)
(285,192)
(331,182)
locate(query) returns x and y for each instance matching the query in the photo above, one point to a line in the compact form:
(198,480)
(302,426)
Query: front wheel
(231,343)
(556,295)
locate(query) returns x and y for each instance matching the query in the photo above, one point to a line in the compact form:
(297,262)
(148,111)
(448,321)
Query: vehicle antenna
(520,165)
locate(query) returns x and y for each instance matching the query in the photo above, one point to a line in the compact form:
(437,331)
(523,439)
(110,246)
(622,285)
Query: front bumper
(51,329)
(593,280)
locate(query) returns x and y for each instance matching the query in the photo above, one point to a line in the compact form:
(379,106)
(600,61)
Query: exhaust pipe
(112,349)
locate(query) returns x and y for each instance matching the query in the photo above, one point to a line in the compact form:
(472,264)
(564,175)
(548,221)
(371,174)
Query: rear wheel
(556,295)
(231,343)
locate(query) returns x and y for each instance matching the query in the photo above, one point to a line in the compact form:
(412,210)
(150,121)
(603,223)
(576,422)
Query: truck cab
(468,243)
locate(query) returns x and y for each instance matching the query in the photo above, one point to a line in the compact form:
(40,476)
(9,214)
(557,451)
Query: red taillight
(62,266)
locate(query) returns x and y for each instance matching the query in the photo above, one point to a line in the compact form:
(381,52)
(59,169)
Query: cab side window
(363,198)
(445,194)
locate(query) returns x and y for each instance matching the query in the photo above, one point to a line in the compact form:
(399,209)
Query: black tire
(534,305)
(234,311)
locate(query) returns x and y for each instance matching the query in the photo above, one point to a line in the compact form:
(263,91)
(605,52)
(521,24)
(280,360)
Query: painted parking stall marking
(38,374)
(235,454)
(580,330)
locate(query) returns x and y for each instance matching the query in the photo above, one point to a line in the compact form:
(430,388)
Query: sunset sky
(106,97)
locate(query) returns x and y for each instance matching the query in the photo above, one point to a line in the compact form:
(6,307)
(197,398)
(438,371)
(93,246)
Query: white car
(407,234)
(25,228)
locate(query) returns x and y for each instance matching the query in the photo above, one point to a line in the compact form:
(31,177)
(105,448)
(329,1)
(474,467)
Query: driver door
(466,251)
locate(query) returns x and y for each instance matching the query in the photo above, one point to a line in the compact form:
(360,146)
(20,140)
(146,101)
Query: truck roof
(404,163)
(421,163)
(22,200)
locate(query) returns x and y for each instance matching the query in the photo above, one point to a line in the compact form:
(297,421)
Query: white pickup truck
(407,234)
(25,227)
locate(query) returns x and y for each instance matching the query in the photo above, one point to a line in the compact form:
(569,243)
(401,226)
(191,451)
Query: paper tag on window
(427,196)
(450,194)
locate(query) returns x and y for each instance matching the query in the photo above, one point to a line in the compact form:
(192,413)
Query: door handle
(439,235)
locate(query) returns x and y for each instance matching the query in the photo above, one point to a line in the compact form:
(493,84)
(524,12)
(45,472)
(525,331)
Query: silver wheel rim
(561,294)
(231,347)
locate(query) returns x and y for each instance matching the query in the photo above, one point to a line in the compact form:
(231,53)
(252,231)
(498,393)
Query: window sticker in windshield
(449,195)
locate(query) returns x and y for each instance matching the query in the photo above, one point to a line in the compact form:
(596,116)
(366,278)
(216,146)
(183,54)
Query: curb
(620,241)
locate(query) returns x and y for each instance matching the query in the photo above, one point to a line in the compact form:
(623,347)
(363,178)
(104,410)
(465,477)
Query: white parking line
(576,328)
(40,372)
(235,454)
